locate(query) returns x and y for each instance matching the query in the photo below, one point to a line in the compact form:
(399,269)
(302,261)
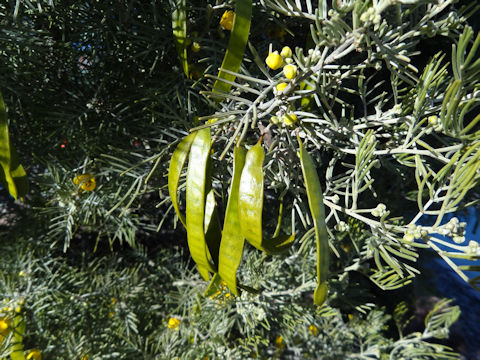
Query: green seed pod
(231,246)
(196,199)
(315,202)
(250,204)
(177,163)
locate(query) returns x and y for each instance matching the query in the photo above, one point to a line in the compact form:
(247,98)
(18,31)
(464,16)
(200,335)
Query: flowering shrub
(319,133)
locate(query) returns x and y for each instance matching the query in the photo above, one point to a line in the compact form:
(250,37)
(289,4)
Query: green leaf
(196,188)
(231,246)
(177,163)
(12,174)
(236,45)
(179,26)
(315,201)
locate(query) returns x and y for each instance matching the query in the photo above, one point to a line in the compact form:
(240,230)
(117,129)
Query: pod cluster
(218,249)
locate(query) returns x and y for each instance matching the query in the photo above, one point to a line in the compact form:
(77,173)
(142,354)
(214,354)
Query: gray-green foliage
(383,122)
(118,307)
(377,111)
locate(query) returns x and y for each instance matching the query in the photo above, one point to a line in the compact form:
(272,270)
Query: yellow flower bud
(290,71)
(433,120)
(280,87)
(173,323)
(313,330)
(227,20)
(286,52)
(290,119)
(85,181)
(279,343)
(4,326)
(274,60)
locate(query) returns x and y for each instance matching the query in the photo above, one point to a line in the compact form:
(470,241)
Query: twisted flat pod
(12,174)
(195,201)
(201,218)
(231,246)
(250,204)
(315,202)
(177,162)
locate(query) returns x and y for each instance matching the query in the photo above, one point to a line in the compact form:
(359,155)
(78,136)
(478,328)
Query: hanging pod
(236,46)
(12,174)
(177,162)
(179,26)
(201,218)
(250,204)
(231,246)
(315,202)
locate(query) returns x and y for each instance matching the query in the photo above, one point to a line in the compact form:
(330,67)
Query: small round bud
(286,52)
(290,119)
(290,71)
(274,120)
(280,87)
(408,237)
(433,120)
(274,60)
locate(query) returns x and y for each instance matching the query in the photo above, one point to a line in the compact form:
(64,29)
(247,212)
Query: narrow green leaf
(196,186)
(177,163)
(12,174)
(179,26)
(236,45)
(231,246)
(315,201)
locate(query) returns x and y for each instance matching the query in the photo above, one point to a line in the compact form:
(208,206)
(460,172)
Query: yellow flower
(173,323)
(290,119)
(279,343)
(34,354)
(313,330)
(85,181)
(274,60)
(4,326)
(290,71)
(280,87)
(111,314)
(227,20)
(286,52)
